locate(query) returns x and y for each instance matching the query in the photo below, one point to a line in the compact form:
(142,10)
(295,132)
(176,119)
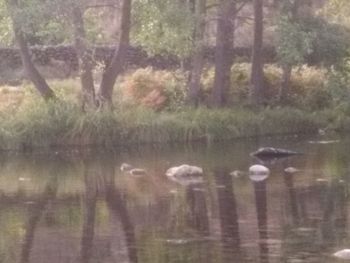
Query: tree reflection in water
(198,211)
(34,216)
(89,212)
(293,201)
(261,213)
(118,209)
(228,214)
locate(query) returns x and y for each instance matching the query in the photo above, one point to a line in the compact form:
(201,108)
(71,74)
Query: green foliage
(293,43)
(339,82)
(49,22)
(43,22)
(331,41)
(163,26)
(308,88)
(6,34)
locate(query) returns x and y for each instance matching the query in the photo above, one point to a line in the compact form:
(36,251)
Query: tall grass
(61,123)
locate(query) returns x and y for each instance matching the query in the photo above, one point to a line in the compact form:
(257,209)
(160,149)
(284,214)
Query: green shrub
(307,88)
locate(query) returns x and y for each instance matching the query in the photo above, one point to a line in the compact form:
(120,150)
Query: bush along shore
(150,108)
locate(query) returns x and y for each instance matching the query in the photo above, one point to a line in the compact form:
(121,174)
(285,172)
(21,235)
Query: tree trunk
(85,59)
(223,52)
(257,75)
(286,68)
(117,64)
(198,56)
(284,89)
(32,73)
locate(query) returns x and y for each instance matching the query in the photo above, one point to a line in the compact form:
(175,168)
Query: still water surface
(79,207)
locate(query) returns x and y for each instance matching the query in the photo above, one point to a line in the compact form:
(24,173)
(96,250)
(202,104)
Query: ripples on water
(79,207)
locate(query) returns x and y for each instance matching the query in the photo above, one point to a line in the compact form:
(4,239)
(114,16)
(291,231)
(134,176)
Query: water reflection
(198,212)
(34,216)
(292,197)
(261,215)
(85,210)
(228,213)
(89,211)
(117,206)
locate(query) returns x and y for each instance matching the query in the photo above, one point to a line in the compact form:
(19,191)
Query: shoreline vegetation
(150,108)
(104,99)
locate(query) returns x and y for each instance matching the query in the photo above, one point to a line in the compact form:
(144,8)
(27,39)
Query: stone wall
(44,55)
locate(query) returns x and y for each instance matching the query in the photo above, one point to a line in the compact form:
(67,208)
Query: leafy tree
(163,26)
(34,75)
(293,43)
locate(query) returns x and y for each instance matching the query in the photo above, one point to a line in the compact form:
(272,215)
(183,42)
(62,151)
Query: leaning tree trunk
(117,64)
(223,52)
(198,56)
(257,75)
(32,73)
(85,59)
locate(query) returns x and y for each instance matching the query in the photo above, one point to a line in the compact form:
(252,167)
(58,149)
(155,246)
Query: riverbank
(62,123)
(27,122)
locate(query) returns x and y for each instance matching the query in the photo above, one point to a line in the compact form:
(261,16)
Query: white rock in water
(291,170)
(125,167)
(258,173)
(343,254)
(258,169)
(185,174)
(184,170)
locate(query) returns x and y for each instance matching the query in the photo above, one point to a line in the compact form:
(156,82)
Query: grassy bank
(37,124)
(27,122)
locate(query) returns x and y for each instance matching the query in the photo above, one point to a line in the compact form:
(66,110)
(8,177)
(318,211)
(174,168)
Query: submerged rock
(343,254)
(237,173)
(273,152)
(291,170)
(128,168)
(324,142)
(24,179)
(138,172)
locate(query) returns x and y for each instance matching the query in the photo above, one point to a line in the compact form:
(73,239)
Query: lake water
(70,206)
